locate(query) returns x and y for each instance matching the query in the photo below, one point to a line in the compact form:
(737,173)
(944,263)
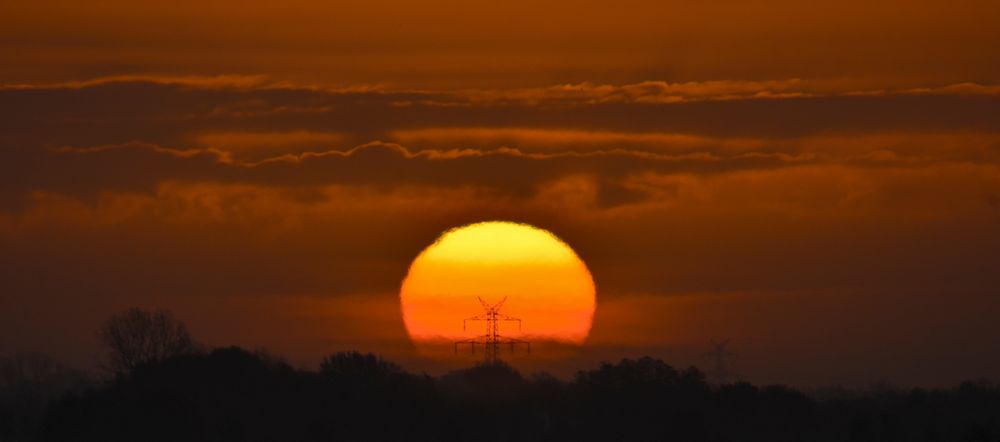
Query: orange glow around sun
(545,283)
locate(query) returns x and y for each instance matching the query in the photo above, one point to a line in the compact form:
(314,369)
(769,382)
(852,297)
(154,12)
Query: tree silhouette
(174,393)
(233,394)
(28,381)
(356,364)
(137,337)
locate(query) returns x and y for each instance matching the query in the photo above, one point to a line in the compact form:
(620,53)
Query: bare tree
(136,337)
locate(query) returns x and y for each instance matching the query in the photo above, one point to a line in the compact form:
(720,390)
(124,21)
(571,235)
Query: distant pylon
(720,373)
(492,340)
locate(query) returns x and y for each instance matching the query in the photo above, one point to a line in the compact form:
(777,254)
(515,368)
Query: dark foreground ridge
(230,394)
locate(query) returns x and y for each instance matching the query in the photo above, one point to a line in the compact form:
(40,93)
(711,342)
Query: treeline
(230,394)
(159,385)
(28,381)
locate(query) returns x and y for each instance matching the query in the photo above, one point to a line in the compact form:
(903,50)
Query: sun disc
(546,284)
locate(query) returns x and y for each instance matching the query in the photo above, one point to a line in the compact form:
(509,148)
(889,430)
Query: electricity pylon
(719,355)
(492,340)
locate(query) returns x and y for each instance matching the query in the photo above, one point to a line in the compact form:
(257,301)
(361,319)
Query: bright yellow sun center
(545,283)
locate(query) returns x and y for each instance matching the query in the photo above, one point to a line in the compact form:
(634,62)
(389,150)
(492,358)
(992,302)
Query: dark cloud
(88,137)
(141,168)
(763,221)
(225,198)
(175,115)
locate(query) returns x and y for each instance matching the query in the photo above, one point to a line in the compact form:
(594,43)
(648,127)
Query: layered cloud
(808,168)
(242,196)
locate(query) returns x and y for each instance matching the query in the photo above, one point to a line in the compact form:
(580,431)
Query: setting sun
(545,283)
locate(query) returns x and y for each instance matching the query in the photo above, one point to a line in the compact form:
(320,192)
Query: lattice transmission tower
(492,340)
(719,355)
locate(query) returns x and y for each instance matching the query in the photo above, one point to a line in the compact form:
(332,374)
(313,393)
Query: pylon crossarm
(506,340)
(501,317)
(471,344)
(474,318)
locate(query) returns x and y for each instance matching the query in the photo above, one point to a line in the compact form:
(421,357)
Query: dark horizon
(158,383)
(551,357)
(191,392)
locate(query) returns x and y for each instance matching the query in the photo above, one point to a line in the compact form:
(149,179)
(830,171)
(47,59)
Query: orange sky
(449,43)
(819,182)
